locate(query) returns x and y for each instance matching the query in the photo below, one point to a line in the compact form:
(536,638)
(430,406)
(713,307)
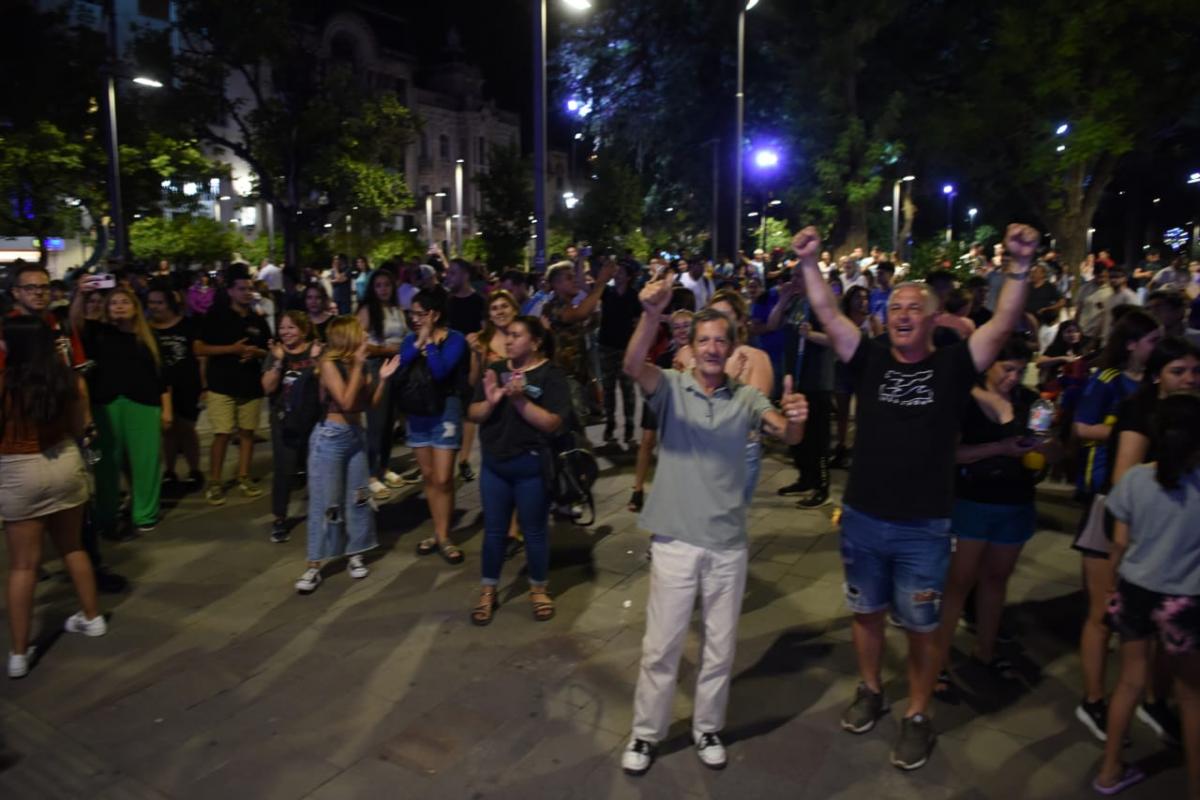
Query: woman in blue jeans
(341,519)
(520,401)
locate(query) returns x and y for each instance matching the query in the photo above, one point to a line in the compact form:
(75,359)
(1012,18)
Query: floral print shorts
(1136,613)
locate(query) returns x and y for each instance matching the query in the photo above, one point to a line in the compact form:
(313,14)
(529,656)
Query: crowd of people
(966,389)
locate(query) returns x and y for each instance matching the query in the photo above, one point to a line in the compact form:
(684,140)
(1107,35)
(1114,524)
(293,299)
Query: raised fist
(1021,242)
(655,296)
(807,243)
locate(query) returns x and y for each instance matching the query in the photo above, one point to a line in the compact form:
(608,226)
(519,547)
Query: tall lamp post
(108,102)
(429,215)
(896,210)
(971,212)
(948,190)
(1194,179)
(737,136)
(458,205)
(539,127)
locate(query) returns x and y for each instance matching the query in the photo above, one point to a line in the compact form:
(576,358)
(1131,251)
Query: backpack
(302,409)
(570,471)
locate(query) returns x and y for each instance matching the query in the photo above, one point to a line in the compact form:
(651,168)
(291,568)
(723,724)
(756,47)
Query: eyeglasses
(39,288)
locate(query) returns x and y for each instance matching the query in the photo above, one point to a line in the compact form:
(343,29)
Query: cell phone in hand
(104,280)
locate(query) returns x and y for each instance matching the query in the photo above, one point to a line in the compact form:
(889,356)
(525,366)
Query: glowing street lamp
(948,190)
(766,158)
(971,212)
(1062,130)
(143,80)
(539,125)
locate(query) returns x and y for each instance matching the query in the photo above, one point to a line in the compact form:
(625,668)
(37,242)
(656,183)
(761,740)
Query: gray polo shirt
(697,495)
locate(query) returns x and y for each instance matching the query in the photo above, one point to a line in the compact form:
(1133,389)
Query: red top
(69,344)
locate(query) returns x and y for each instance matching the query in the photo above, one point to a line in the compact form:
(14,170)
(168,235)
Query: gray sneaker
(912,747)
(867,707)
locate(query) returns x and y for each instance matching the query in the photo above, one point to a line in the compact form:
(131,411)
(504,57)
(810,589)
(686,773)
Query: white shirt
(272,276)
(701,287)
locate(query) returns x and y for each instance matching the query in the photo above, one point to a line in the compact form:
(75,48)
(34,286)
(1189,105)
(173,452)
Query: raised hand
(655,296)
(807,243)
(606,272)
(1021,242)
(389,367)
(793,405)
(493,392)
(277,351)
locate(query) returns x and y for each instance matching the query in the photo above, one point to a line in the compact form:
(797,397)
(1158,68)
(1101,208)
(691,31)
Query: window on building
(444,147)
(155,9)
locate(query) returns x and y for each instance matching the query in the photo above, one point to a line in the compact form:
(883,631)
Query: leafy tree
(321,143)
(507,193)
(612,208)
(395,244)
(183,239)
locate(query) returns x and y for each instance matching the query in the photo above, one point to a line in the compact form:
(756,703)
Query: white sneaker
(378,490)
(393,480)
(638,756)
(18,665)
(357,568)
(309,581)
(710,750)
(79,623)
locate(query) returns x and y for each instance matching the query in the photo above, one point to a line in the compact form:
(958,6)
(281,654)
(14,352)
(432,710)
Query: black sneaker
(1162,721)
(630,437)
(793,489)
(465,472)
(861,715)
(195,481)
(169,480)
(279,532)
(610,436)
(912,747)
(818,498)
(1094,717)
(636,500)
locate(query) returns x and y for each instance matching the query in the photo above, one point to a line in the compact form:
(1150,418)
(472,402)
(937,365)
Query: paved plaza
(218,681)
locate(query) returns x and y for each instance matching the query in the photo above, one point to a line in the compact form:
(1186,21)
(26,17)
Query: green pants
(132,431)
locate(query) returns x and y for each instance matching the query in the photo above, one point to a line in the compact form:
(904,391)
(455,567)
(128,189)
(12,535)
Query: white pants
(677,570)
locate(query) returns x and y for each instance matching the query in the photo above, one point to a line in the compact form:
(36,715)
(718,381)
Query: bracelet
(1016,276)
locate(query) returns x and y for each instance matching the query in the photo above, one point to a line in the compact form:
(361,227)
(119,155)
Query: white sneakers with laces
(710,750)
(357,568)
(309,581)
(638,756)
(79,623)
(18,663)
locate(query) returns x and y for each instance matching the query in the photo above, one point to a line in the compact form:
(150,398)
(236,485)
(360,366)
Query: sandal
(450,553)
(944,688)
(487,605)
(999,666)
(543,610)
(636,500)
(427,546)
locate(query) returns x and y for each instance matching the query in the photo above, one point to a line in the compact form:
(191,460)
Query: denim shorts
(994,523)
(442,432)
(897,564)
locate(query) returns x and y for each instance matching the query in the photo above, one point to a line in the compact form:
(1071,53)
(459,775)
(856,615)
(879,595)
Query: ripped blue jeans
(341,521)
(896,564)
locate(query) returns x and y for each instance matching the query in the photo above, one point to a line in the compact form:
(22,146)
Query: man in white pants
(697,513)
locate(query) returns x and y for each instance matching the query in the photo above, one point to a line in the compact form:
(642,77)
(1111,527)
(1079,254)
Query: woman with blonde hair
(131,404)
(341,520)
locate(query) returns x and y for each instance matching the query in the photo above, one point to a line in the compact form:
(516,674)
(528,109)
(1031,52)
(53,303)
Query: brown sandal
(485,608)
(543,610)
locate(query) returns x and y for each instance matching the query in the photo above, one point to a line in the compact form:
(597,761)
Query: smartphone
(103,280)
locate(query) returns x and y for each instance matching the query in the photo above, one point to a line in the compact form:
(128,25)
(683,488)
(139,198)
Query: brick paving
(216,679)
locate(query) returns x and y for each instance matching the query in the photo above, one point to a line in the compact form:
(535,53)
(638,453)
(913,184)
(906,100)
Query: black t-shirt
(1135,414)
(618,317)
(465,314)
(506,434)
(293,365)
(180,367)
(229,375)
(124,366)
(980,316)
(1002,480)
(908,422)
(1040,297)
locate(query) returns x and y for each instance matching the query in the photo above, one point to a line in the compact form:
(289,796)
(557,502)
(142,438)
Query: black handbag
(416,393)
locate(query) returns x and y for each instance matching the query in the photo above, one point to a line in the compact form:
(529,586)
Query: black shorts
(1137,614)
(185,403)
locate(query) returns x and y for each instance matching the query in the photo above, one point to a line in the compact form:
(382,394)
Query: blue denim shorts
(897,564)
(994,523)
(443,432)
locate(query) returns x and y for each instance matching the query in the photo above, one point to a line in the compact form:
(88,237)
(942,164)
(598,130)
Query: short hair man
(697,513)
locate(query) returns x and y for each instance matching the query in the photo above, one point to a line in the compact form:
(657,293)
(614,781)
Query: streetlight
(108,102)
(1090,232)
(971,212)
(458,204)
(737,136)
(896,210)
(429,214)
(766,159)
(1062,129)
(948,190)
(539,126)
